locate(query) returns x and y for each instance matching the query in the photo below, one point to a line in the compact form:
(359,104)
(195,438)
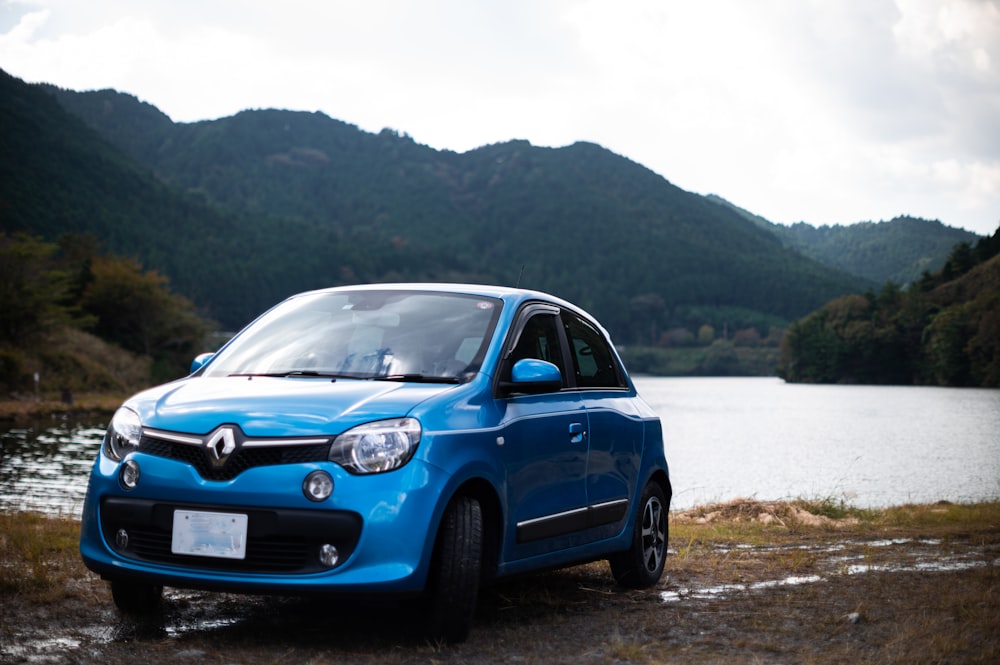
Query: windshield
(404,335)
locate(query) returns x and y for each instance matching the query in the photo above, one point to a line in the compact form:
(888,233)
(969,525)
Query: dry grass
(48,405)
(874,592)
(36,554)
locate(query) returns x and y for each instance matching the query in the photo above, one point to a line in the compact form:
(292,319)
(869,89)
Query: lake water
(871,446)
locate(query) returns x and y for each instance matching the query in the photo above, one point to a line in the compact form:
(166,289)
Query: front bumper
(279,540)
(382,525)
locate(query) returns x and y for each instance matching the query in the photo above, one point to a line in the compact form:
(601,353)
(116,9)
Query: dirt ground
(745,584)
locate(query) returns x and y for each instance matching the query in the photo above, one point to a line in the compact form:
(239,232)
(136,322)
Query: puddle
(206,622)
(725,590)
(919,560)
(48,650)
(934,567)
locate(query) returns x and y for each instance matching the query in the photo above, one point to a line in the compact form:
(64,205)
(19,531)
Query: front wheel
(453,584)
(641,565)
(136,598)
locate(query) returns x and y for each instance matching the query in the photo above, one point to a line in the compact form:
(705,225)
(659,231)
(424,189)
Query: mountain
(243,210)
(58,176)
(900,250)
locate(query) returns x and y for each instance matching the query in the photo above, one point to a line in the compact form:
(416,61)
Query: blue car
(412,439)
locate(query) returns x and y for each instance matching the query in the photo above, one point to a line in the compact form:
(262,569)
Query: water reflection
(44,465)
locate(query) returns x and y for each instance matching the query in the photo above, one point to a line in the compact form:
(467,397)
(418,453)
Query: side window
(593,361)
(539,339)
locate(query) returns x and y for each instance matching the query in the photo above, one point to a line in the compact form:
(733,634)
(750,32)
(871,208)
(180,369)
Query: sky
(823,111)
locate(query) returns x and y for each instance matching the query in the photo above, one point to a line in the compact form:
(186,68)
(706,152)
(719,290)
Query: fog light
(121,539)
(329,556)
(318,486)
(129,474)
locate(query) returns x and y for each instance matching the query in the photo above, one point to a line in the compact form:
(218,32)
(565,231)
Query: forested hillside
(58,176)
(239,212)
(345,205)
(75,319)
(944,330)
(900,250)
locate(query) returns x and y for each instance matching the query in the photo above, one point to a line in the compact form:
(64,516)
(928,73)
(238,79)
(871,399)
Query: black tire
(641,565)
(453,582)
(136,598)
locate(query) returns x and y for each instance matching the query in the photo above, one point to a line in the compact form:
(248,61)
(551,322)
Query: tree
(959,262)
(947,336)
(746,337)
(644,316)
(137,310)
(32,289)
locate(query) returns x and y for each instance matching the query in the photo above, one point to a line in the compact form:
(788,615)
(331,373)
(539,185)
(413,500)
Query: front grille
(278,540)
(244,458)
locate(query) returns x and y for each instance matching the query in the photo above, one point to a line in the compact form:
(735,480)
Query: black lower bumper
(278,540)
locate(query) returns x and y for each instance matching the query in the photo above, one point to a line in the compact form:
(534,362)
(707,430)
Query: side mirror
(200,361)
(533,376)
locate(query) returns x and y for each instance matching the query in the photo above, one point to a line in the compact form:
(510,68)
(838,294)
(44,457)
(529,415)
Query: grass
(46,405)
(37,554)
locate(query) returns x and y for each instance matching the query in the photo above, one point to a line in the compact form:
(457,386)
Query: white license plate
(219,535)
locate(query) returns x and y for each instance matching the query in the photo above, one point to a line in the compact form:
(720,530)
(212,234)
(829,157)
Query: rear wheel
(641,565)
(453,584)
(136,598)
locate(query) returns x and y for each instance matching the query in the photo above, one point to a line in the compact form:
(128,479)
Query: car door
(544,444)
(615,431)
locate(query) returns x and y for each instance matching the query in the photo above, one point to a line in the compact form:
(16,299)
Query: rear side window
(593,361)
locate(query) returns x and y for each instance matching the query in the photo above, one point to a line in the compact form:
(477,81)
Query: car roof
(507,293)
(511,295)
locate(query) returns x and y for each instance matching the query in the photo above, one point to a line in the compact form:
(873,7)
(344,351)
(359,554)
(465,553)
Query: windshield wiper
(307,373)
(418,378)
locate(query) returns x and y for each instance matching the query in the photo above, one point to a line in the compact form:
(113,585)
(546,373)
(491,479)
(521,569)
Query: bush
(13,375)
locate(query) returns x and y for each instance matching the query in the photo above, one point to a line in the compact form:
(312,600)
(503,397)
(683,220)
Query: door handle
(576,433)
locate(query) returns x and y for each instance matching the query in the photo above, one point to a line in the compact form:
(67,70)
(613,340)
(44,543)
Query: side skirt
(579,519)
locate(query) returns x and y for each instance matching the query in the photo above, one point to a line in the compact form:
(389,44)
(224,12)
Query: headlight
(123,434)
(375,447)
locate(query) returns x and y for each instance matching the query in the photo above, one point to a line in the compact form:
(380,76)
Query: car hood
(269,406)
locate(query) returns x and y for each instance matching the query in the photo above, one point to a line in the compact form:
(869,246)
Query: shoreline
(53,406)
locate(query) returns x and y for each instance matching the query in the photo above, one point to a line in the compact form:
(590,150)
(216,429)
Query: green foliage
(137,310)
(944,331)
(947,337)
(721,358)
(114,297)
(33,289)
(13,371)
(898,251)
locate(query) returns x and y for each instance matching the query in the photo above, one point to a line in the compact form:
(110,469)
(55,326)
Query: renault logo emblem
(221,445)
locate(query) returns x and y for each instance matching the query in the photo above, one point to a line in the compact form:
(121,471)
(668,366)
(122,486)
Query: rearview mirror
(200,361)
(533,376)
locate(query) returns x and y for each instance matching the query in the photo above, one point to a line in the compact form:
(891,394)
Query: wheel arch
(661,478)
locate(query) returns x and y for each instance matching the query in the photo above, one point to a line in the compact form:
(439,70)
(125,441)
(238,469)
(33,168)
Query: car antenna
(519,275)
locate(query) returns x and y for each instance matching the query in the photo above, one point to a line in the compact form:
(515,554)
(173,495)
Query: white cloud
(818,110)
